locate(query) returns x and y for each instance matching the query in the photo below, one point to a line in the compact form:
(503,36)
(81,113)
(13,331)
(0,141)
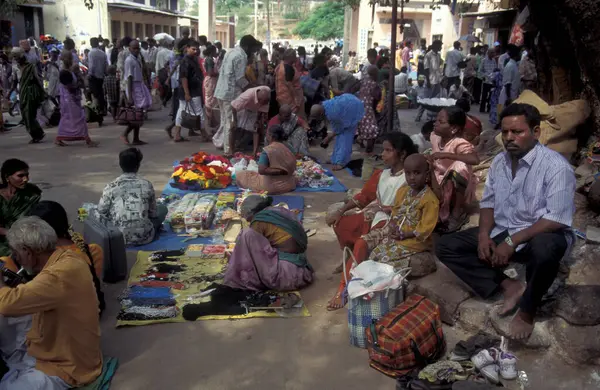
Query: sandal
(59,143)
(342,296)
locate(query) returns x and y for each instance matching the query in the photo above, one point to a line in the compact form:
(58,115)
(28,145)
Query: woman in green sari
(31,96)
(17,197)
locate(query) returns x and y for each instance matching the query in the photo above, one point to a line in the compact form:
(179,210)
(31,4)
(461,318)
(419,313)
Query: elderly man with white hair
(62,349)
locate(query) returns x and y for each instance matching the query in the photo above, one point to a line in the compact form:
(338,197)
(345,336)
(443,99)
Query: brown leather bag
(130,116)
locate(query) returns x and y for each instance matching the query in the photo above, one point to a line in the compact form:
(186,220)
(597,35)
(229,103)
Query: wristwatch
(509,241)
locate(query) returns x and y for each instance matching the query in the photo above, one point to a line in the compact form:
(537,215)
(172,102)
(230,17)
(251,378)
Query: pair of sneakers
(494,363)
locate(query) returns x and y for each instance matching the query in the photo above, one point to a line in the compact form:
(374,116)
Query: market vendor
(250,111)
(276,166)
(526,213)
(295,129)
(17,197)
(271,253)
(129,202)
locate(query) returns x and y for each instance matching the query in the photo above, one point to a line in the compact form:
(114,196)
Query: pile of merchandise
(202,171)
(193,213)
(311,174)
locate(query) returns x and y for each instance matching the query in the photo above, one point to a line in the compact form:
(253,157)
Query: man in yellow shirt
(61,308)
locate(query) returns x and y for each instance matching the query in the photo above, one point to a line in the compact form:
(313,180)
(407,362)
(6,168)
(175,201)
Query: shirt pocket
(36,333)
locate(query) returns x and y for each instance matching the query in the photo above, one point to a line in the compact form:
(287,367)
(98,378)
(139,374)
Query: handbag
(130,116)
(189,120)
(362,312)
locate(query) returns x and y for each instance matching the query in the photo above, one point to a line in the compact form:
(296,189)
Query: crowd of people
(287,103)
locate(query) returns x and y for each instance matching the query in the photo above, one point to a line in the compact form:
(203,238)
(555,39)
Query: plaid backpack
(407,338)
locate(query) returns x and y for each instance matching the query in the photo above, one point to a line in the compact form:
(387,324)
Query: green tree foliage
(325,22)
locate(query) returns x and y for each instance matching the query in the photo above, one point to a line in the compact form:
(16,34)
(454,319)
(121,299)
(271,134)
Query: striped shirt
(543,188)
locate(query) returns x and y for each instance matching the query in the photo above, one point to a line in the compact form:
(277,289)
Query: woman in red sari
(375,202)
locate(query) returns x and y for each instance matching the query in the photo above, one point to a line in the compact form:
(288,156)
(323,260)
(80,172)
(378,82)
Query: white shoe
(507,364)
(490,372)
(485,358)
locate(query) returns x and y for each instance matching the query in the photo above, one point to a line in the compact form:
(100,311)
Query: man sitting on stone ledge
(526,210)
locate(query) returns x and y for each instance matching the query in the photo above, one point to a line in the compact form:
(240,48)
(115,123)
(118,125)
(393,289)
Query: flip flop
(139,143)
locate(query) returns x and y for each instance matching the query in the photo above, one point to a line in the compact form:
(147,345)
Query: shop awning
(499,12)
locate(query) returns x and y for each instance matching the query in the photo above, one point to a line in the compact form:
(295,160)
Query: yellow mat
(198,267)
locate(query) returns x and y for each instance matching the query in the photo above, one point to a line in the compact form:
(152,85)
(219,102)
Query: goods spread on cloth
(162,282)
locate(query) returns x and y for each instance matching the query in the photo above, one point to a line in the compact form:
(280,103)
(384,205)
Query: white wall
(72,18)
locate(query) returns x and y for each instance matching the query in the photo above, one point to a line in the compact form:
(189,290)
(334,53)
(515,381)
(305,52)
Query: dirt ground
(302,353)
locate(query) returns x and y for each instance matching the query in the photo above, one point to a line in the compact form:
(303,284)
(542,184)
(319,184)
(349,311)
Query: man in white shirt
(401,81)
(371,60)
(433,71)
(162,56)
(511,78)
(453,58)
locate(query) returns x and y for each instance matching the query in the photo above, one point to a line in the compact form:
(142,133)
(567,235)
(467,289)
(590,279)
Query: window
(128,27)
(157,29)
(174,31)
(149,32)
(166,29)
(139,31)
(115,29)
(438,37)
(173,5)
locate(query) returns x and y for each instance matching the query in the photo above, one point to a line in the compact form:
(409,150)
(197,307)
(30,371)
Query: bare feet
(521,326)
(124,139)
(59,143)
(337,167)
(337,302)
(513,290)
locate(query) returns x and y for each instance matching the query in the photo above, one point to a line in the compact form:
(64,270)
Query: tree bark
(572,28)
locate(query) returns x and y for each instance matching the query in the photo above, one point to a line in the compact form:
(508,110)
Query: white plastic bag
(252,166)
(240,166)
(371,276)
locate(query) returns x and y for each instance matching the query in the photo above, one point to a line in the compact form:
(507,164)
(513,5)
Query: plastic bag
(240,166)
(371,276)
(252,166)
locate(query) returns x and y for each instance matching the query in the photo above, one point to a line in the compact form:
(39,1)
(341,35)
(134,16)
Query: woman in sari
(17,197)
(340,114)
(370,94)
(276,167)
(452,177)
(211,75)
(72,125)
(31,96)
(271,253)
(287,84)
(375,202)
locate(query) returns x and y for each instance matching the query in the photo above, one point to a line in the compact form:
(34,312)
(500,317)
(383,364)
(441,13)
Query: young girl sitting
(414,217)
(452,177)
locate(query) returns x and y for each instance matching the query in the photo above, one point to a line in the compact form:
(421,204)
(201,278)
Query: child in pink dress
(452,178)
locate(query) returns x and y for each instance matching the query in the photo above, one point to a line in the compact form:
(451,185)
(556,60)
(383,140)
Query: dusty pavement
(305,353)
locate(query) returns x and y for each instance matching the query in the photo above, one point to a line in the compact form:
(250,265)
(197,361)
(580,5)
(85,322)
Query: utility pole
(255,18)
(268,38)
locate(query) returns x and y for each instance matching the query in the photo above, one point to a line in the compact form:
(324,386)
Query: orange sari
(280,157)
(289,92)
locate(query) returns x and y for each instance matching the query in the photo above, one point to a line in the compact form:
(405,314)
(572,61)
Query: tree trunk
(572,30)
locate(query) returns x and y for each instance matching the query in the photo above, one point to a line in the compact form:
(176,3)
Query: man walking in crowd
(451,68)
(433,71)
(371,60)
(162,56)
(406,56)
(470,72)
(526,211)
(486,70)
(96,74)
(232,81)
(62,349)
(511,78)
